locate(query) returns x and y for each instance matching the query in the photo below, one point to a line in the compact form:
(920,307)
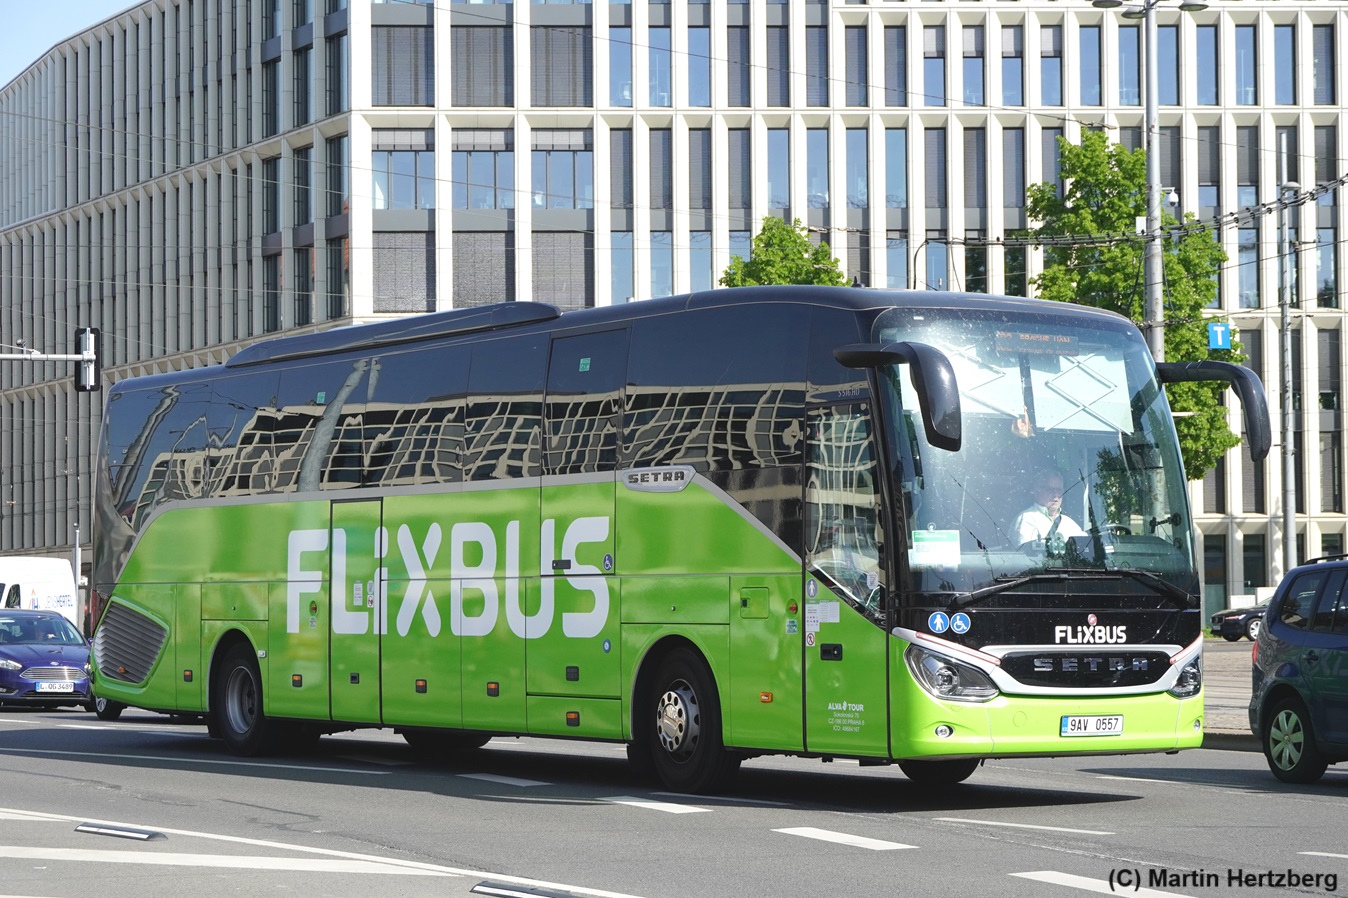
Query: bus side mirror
(938,395)
(1253,403)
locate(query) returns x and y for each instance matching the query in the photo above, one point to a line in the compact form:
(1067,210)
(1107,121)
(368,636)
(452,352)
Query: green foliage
(783,254)
(1105,194)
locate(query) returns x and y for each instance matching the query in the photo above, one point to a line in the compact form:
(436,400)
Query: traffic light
(89,346)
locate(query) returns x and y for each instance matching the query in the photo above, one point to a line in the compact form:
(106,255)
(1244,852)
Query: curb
(1231,740)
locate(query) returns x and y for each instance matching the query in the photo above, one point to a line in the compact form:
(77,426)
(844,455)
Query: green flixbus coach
(715,526)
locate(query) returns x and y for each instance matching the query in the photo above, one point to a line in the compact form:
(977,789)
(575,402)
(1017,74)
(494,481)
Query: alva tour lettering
(307,556)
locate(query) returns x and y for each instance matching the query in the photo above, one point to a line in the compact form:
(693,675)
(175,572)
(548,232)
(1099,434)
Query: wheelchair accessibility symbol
(960,623)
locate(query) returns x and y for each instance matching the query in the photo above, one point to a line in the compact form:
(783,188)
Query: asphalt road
(359,816)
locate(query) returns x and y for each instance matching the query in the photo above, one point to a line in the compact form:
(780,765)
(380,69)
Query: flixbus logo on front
(306,570)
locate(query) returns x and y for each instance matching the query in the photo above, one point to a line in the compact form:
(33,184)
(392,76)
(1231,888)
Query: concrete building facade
(190,176)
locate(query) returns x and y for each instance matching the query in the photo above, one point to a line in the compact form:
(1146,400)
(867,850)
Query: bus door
(579,655)
(358,609)
(846,675)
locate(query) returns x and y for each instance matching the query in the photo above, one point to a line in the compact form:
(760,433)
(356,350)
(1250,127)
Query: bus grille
(62,674)
(127,644)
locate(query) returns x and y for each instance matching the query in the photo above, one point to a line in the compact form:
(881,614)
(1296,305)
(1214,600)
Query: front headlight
(1190,680)
(9,664)
(946,678)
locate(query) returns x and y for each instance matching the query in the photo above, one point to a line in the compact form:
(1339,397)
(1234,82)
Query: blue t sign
(1219,335)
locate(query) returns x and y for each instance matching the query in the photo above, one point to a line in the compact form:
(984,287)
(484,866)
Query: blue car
(1299,702)
(44,661)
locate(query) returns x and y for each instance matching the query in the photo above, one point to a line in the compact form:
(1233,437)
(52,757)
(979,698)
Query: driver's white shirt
(1034,523)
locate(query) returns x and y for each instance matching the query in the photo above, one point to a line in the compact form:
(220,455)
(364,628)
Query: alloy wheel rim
(677,721)
(1286,738)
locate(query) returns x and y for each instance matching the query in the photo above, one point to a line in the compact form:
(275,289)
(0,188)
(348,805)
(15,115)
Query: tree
(1104,195)
(783,254)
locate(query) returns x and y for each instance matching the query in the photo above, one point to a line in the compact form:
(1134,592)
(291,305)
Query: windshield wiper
(1169,590)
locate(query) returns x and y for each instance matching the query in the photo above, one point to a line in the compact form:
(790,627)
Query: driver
(1044,519)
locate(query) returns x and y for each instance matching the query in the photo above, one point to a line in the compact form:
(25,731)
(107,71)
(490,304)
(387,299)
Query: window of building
(1331,471)
(1167,65)
(339,278)
(699,66)
(304,12)
(403,66)
(271,98)
(938,261)
(563,169)
(1326,268)
(1130,66)
(1247,166)
(1052,157)
(816,66)
(563,66)
(1017,271)
(1090,64)
(483,169)
(620,169)
(483,70)
(621,267)
(1255,560)
(302,165)
(1013,65)
(335,151)
(337,86)
(661,195)
(854,53)
(1205,66)
(1050,65)
(975,262)
(973,65)
(700,261)
(699,168)
(858,190)
(1284,65)
(933,65)
(404,265)
(779,66)
(934,168)
(620,66)
(662,263)
(1322,64)
(976,170)
(271,195)
(740,168)
(896,169)
(1247,267)
(779,169)
(741,242)
(303,260)
(896,260)
(1013,168)
(660,67)
(271,19)
(564,268)
(484,267)
(816,167)
(739,78)
(271,293)
(304,101)
(403,166)
(896,65)
(1247,62)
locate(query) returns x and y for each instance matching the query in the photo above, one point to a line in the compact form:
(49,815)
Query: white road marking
(825,835)
(666,806)
(1100,886)
(371,759)
(221,762)
(1323,854)
(329,852)
(1137,779)
(232,861)
(503,780)
(1056,829)
(730,799)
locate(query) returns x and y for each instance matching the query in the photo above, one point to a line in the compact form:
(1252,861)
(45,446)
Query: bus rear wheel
(237,705)
(685,713)
(930,774)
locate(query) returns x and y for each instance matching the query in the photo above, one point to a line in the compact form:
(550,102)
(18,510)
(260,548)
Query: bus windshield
(1069,460)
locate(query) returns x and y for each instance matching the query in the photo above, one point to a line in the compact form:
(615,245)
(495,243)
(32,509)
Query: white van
(42,584)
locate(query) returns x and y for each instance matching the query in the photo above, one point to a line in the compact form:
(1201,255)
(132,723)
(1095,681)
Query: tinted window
(317,434)
(585,380)
(243,410)
(1295,610)
(414,420)
(505,408)
(833,328)
(1331,605)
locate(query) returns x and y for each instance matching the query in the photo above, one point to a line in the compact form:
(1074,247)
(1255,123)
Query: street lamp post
(1153,306)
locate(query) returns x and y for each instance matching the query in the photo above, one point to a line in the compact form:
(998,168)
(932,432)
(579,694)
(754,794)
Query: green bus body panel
(353,588)
(595,718)
(234,601)
(691,530)
(845,697)
(676,600)
(762,695)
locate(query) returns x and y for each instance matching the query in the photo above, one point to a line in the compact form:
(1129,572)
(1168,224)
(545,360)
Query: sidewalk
(1226,689)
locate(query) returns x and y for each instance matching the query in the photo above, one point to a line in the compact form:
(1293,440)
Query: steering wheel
(1113,529)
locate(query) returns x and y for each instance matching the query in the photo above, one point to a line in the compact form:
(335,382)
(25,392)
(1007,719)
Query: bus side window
(12,598)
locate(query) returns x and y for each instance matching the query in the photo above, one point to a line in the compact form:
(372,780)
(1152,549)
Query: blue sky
(29,29)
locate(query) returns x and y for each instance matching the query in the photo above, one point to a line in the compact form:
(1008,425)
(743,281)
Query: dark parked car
(1233,623)
(44,660)
(1299,707)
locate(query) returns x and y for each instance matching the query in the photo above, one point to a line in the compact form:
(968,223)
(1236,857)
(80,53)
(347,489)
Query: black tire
(1289,744)
(683,714)
(437,745)
(936,774)
(237,705)
(1252,628)
(1231,637)
(107,709)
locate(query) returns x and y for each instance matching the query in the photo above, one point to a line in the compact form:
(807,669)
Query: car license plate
(1098,725)
(55,687)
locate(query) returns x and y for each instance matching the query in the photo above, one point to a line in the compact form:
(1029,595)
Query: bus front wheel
(237,707)
(107,709)
(939,773)
(685,713)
